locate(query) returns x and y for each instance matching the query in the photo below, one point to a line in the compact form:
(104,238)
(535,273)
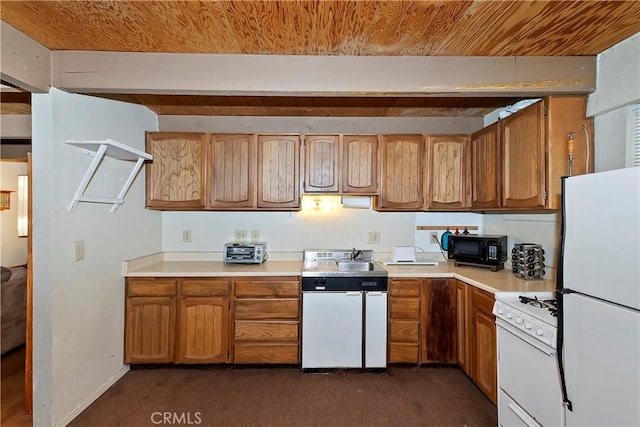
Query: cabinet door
(462,324)
(523,158)
(486,177)
(175,177)
(279,171)
(448,172)
(483,343)
(438,321)
(402,173)
(231,171)
(360,164)
(203,330)
(321,166)
(150,329)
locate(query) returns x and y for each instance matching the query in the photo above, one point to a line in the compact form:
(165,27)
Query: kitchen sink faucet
(355,253)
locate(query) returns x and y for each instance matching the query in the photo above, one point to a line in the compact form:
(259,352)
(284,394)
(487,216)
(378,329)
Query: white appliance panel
(331,338)
(527,372)
(511,414)
(375,330)
(602,235)
(602,362)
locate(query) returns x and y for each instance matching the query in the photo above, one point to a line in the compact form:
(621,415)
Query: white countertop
(499,282)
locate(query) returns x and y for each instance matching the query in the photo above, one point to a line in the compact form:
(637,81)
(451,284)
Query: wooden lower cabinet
(150,318)
(462,326)
(482,342)
(404,321)
(203,330)
(266,320)
(438,321)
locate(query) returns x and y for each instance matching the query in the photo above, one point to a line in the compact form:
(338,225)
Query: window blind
(635,140)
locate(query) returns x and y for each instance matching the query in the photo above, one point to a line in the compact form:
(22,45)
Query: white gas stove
(532,313)
(528,381)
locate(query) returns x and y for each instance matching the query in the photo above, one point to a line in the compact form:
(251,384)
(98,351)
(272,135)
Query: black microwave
(478,249)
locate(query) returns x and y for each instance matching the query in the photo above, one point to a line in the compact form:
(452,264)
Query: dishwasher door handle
(375,293)
(353,293)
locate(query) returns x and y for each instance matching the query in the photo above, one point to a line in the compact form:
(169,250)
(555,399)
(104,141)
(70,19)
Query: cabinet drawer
(482,300)
(266,331)
(266,353)
(404,331)
(257,309)
(280,288)
(151,287)
(204,288)
(403,353)
(404,308)
(404,288)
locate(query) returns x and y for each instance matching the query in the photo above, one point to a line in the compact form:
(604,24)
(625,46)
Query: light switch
(78,250)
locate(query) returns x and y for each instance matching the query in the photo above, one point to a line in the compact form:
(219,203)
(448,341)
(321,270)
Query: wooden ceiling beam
(260,75)
(25,62)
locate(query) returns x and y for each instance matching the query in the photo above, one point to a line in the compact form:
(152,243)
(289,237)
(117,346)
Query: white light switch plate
(78,250)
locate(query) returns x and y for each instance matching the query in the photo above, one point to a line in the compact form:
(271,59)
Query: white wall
(13,249)
(618,86)
(78,306)
(542,229)
(284,231)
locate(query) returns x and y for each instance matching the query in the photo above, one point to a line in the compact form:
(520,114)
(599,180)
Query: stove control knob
(315,281)
(527,325)
(509,315)
(540,332)
(323,281)
(500,311)
(518,319)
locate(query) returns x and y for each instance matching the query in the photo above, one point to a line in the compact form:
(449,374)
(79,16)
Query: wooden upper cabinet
(566,114)
(448,172)
(401,186)
(322,163)
(360,164)
(524,158)
(231,171)
(175,178)
(485,166)
(279,171)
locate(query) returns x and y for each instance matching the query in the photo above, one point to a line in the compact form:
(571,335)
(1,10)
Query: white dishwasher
(344,310)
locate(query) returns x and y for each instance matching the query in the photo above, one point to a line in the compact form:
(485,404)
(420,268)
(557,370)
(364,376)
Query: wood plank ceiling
(332,27)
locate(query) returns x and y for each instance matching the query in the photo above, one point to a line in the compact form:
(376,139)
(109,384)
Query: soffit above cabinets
(473,28)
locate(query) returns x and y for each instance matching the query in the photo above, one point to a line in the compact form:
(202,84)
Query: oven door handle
(524,337)
(524,417)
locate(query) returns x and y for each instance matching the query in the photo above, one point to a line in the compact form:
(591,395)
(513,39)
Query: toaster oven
(245,253)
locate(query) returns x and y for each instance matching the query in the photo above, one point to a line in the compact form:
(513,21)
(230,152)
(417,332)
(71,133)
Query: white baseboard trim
(96,394)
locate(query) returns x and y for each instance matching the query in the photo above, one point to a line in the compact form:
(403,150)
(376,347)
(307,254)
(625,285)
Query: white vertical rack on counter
(99,150)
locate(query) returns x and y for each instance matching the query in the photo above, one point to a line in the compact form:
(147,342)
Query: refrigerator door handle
(559,298)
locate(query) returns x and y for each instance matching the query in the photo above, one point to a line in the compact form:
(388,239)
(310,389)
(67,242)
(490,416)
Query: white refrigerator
(598,291)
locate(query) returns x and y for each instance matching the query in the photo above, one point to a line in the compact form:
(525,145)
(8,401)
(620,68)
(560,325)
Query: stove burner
(549,304)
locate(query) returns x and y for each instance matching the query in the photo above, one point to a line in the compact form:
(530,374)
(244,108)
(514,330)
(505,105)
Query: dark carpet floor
(403,396)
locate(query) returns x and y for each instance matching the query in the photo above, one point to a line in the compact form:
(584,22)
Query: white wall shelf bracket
(99,150)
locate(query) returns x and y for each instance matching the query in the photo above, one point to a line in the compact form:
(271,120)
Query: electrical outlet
(373,237)
(186,236)
(255,236)
(241,236)
(433,237)
(78,250)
